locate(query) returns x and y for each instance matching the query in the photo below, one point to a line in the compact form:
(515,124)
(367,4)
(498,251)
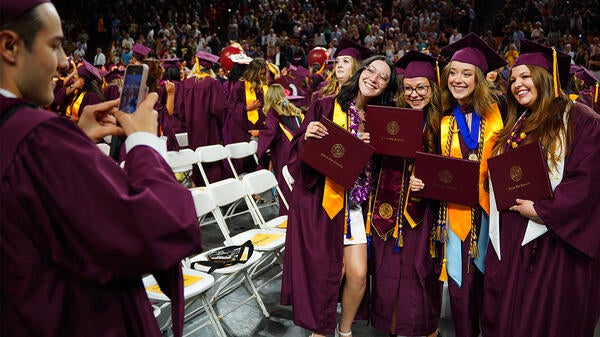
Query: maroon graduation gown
(587,97)
(78,232)
(273,138)
(205,107)
(171,124)
(111,91)
(405,278)
(237,124)
(314,244)
(551,286)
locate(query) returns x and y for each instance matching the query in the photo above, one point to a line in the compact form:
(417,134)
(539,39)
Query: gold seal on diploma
(386,210)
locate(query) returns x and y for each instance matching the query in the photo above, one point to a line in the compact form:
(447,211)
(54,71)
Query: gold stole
(573,97)
(251,97)
(459,216)
(334,193)
(288,134)
(73,108)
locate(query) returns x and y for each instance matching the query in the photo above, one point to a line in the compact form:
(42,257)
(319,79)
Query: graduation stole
(391,196)
(73,108)
(573,97)
(289,134)
(460,216)
(251,97)
(333,193)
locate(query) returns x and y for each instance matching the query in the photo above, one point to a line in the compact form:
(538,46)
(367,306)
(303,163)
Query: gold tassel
(320,71)
(437,71)
(555,73)
(369,215)
(400,240)
(596,94)
(432,250)
(444,271)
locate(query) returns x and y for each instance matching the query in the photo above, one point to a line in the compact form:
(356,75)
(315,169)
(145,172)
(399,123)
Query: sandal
(338,333)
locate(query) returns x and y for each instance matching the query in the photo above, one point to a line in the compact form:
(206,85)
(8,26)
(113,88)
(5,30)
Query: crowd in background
(292,28)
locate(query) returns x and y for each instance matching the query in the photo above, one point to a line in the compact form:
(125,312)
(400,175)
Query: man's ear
(10,46)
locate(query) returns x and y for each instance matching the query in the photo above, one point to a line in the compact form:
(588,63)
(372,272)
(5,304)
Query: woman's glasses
(381,77)
(421,90)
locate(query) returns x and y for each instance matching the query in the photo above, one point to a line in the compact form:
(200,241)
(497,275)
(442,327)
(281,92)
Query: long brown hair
(433,115)
(253,74)
(545,121)
(482,96)
(155,73)
(275,98)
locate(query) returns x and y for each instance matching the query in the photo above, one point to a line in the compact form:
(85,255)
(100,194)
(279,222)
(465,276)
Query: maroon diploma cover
(447,178)
(339,155)
(519,173)
(395,131)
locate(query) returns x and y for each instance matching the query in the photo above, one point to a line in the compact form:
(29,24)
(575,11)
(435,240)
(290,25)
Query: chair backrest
(226,191)
(204,204)
(182,139)
(211,154)
(182,160)
(240,150)
(288,177)
(259,182)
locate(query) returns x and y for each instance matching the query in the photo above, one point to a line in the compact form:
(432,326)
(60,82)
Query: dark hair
(350,89)
(91,85)
(26,25)
(172,74)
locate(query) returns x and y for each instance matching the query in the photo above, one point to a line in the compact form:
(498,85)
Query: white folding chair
(259,182)
(268,241)
(195,287)
(232,276)
(241,150)
(210,154)
(288,177)
(182,139)
(182,162)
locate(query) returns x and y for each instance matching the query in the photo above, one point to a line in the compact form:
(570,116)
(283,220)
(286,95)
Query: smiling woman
(544,253)
(335,238)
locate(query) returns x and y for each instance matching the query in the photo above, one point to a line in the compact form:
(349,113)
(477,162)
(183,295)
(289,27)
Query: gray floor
(248,320)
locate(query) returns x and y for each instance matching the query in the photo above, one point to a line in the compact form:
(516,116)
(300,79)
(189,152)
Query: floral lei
(365,182)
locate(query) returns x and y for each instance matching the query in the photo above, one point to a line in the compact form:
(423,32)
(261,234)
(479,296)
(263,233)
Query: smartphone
(134,87)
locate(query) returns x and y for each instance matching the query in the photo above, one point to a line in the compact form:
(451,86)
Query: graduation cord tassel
(348,229)
(368,225)
(555,73)
(437,71)
(473,249)
(444,271)
(596,92)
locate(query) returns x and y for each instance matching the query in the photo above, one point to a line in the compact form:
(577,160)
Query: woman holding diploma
(467,131)
(407,295)
(326,238)
(542,271)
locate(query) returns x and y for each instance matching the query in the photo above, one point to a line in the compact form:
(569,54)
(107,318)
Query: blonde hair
(333,86)
(275,98)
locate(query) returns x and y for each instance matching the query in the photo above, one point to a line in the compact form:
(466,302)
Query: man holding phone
(77,231)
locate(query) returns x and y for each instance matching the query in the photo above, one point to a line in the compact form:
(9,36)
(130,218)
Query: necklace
(365,182)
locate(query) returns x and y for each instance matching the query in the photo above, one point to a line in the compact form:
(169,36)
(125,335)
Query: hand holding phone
(134,87)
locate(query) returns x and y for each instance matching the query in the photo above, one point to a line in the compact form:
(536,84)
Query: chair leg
(212,315)
(257,295)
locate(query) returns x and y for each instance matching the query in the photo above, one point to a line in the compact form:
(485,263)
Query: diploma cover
(447,178)
(339,155)
(395,131)
(519,173)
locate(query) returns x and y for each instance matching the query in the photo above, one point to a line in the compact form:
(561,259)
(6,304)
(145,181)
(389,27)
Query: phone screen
(132,85)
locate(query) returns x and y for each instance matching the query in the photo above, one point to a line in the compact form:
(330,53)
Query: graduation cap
(347,47)
(12,9)
(292,98)
(207,60)
(417,64)
(586,76)
(171,63)
(140,51)
(473,50)
(88,71)
(555,62)
(113,75)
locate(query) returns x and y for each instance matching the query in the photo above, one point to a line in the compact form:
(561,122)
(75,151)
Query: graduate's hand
(170,87)
(315,130)
(415,184)
(144,119)
(97,120)
(364,136)
(254,133)
(526,209)
(253,105)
